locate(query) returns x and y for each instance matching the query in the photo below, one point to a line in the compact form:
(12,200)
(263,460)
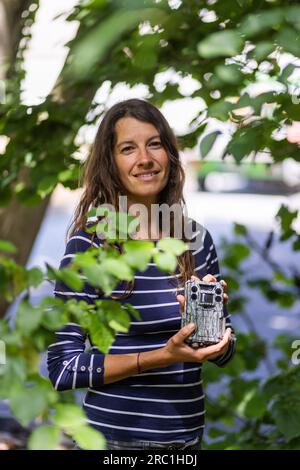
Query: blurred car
(248,176)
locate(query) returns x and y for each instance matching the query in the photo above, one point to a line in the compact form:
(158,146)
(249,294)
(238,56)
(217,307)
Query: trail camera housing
(204,307)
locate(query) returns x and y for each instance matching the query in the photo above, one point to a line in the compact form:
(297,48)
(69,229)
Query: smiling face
(141,160)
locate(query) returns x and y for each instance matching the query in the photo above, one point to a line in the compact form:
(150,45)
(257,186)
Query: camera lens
(194,289)
(194,296)
(218,290)
(218,298)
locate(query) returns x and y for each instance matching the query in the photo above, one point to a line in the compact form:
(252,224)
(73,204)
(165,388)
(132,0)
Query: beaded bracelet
(138,363)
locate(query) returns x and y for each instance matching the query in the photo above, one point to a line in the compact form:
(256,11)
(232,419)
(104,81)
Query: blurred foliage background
(227,46)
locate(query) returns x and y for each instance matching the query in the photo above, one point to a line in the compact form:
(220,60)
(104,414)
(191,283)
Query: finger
(227,336)
(226,298)
(228,331)
(196,278)
(209,278)
(224,341)
(183,333)
(224,284)
(216,349)
(180,299)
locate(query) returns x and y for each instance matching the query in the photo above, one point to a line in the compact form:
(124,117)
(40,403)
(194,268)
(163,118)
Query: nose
(144,158)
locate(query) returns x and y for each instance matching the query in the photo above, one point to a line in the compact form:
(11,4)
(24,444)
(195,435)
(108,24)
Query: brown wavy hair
(101,181)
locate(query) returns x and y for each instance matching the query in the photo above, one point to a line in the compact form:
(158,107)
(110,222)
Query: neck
(148,227)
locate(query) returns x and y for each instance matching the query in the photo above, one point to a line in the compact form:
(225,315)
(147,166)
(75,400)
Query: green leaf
(289,39)
(46,185)
(95,45)
(245,141)
(292,15)
(172,245)
(220,110)
(71,278)
(293,111)
(256,405)
(207,142)
(68,175)
(165,261)
(69,417)
(286,299)
(107,283)
(92,212)
(236,253)
(286,217)
(229,73)
(221,44)
(296,244)
(135,313)
(287,417)
(35,277)
(286,73)
(240,229)
(28,403)
(118,321)
(262,50)
(53,309)
(93,273)
(44,438)
(7,247)
(146,55)
(215,432)
(118,268)
(281,277)
(12,374)
(254,24)
(102,337)
(28,317)
(89,439)
(138,253)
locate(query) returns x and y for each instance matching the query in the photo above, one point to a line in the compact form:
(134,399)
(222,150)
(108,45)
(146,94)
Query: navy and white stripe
(158,404)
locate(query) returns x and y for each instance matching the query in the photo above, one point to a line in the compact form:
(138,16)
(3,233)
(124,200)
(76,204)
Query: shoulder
(81,240)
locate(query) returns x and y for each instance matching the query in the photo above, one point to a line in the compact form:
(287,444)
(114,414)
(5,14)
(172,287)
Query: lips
(146,173)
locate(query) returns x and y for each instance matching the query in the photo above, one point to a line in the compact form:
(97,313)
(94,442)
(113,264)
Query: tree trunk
(20,224)
(10,31)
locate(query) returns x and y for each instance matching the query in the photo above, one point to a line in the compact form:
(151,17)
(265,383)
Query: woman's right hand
(177,350)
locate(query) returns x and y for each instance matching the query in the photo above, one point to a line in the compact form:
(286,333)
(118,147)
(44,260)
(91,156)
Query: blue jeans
(147,445)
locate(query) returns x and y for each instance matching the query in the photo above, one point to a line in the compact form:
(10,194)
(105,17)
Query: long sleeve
(213,268)
(69,366)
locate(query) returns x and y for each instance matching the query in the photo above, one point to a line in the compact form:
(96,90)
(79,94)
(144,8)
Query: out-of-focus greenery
(31,396)
(254,412)
(228,46)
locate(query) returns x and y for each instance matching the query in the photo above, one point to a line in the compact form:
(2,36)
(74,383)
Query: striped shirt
(162,404)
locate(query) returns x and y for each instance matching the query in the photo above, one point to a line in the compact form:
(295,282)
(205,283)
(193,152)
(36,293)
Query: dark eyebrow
(132,142)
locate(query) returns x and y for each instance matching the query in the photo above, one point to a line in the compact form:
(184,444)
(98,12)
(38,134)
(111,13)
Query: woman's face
(141,160)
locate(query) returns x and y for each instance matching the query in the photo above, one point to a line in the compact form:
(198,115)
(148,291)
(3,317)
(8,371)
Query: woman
(146,393)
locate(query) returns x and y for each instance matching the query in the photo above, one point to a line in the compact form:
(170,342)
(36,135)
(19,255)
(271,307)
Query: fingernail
(191,326)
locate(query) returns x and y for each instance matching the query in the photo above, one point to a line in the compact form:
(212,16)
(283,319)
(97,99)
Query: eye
(127,149)
(156,143)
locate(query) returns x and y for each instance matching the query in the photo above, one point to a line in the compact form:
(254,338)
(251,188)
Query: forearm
(120,366)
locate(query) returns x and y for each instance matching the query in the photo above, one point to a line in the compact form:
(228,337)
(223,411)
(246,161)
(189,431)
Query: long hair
(101,181)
